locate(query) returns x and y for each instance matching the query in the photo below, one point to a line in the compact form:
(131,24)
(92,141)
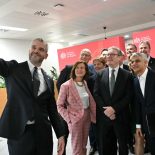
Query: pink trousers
(79,134)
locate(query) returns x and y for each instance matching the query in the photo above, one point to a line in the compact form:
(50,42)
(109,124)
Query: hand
(139,132)
(112,117)
(61,145)
(109,111)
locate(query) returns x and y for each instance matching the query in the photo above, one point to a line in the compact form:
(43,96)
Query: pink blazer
(69,95)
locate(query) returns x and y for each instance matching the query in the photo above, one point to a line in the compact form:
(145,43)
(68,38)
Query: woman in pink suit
(77,106)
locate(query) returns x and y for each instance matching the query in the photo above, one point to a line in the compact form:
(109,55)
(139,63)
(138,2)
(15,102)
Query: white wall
(14,49)
(18,50)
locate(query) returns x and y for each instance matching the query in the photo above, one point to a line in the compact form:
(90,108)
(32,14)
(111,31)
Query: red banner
(147,35)
(70,55)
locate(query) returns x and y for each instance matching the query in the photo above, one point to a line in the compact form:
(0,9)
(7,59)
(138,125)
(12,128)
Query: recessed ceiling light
(13,28)
(126,36)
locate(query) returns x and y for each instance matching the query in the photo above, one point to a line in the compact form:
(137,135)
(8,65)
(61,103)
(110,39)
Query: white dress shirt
(83,95)
(116,72)
(142,81)
(43,85)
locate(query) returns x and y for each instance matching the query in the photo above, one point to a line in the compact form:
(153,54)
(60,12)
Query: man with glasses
(113,94)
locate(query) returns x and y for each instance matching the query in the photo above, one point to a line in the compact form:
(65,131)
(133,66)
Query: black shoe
(92,151)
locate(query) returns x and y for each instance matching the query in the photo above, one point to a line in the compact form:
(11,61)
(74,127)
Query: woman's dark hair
(73,76)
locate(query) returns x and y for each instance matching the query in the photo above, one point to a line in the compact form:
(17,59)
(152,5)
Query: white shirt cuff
(138,126)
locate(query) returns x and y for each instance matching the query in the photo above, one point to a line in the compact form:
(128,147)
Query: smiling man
(113,96)
(30,111)
(145,99)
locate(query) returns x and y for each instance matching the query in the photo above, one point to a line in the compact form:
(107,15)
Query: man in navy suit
(112,92)
(145,99)
(31,110)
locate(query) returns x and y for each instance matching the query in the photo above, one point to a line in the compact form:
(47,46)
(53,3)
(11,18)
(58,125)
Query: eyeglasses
(86,55)
(110,55)
(136,61)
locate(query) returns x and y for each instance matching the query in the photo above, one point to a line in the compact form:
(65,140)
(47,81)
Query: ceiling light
(126,36)
(13,28)
(80,34)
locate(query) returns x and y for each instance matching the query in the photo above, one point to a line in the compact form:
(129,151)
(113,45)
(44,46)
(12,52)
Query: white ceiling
(85,17)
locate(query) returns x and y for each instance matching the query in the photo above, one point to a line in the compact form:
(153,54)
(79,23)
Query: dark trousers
(92,136)
(66,135)
(107,146)
(151,144)
(107,137)
(28,144)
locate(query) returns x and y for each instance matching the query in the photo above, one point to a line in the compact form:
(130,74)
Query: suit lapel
(138,87)
(147,85)
(47,80)
(74,91)
(25,72)
(106,79)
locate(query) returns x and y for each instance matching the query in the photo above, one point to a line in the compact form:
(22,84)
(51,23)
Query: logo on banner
(63,55)
(67,55)
(138,40)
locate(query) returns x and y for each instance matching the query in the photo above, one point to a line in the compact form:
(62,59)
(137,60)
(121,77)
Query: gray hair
(85,50)
(145,42)
(142,55)
(119,52)
(41,40)
(130,44)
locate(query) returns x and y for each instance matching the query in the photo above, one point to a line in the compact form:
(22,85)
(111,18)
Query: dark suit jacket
(126,67)
(21,102)
(145,104)
(152,63)
(120,99)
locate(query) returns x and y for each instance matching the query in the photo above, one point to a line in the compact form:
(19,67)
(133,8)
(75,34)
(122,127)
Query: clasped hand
(109,112)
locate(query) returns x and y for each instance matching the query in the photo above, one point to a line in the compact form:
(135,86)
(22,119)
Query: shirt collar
(148,58)
(143,76)
(31,66)
(116,68)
